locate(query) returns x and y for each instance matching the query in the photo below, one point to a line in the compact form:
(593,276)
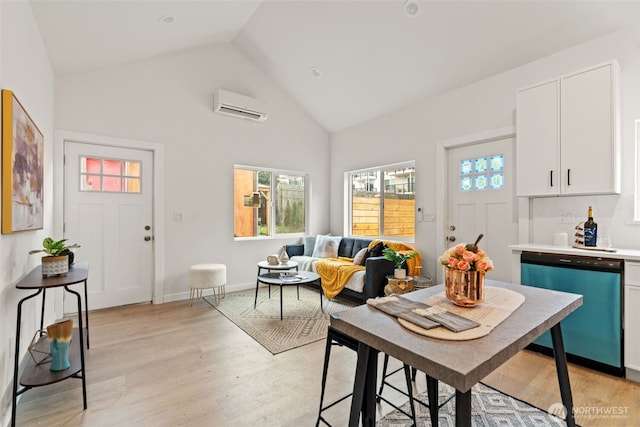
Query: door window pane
(132,168)
(111,167)
(89,165)
(481,164)
(480,173)
(497,162)
(497,181)
(466,166)
(111,184)
(110,175)
(90,183)
(131,185)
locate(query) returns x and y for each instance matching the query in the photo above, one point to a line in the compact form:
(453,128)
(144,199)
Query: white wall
(414,132)
(169,100)
(24,69)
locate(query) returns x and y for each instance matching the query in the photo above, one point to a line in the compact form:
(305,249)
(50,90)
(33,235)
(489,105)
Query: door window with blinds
(110,175)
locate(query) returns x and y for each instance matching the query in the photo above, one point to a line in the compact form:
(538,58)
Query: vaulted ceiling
(343,61)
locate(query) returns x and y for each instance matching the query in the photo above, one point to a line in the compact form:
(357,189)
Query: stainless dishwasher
(593,333)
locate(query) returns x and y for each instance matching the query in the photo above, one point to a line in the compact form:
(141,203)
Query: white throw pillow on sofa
(309,245)
(326,246)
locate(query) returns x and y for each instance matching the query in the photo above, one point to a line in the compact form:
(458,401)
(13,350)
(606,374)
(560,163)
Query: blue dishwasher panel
(594,330)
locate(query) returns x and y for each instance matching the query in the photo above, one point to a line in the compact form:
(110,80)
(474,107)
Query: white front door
(480,200)
(108,200)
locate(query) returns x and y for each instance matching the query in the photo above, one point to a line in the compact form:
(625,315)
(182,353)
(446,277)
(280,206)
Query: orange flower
(459,258)
(463,265)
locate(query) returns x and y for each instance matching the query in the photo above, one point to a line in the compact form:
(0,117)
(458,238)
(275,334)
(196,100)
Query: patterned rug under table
(489,408)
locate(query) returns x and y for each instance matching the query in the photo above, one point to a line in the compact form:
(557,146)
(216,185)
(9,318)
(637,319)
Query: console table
(36,375)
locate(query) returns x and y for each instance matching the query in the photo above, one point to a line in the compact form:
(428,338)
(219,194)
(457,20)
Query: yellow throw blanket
(413,265)
(335,272)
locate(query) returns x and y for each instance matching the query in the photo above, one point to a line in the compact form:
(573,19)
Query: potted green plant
(398,260)
(58,257)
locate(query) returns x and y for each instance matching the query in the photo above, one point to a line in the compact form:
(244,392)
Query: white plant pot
(52,266)
(400,273)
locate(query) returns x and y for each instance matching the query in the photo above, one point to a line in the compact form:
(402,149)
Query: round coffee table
(264,265)
(273,278)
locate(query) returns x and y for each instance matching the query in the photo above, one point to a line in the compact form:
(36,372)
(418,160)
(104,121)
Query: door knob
(452,227)
(147,227)
(451,238)
(147,238)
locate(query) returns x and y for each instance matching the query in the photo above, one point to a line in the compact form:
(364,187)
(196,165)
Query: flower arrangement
(466,258)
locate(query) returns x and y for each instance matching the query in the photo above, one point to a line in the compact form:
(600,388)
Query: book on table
(288,278)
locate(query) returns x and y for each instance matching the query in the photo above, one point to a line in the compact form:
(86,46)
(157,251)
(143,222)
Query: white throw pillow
(360,257)
(326,246)
(309,245)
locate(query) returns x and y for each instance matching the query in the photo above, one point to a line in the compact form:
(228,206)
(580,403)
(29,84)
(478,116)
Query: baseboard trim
(179,296)
(632,374)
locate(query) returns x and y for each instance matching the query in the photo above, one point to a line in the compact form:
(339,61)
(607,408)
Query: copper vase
(464,288)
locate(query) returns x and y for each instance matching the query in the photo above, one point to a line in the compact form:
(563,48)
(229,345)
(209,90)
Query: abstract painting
(22,168)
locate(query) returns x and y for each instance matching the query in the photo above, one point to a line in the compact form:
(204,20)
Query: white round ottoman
(208,276)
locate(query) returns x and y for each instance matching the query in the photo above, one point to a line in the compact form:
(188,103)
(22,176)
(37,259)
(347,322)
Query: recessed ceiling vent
(245,107)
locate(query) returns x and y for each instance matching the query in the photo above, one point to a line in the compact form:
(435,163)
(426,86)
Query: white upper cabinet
(537,138)
(567,135)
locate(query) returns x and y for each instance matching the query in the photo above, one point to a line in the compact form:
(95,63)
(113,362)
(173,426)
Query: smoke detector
(315,72)
(411,8)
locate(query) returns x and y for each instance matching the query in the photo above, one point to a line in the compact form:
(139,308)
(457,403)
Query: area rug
(489,407)
(303,321)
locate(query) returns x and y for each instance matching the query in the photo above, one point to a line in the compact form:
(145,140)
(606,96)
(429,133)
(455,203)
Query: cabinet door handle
(568,176)
(551,178)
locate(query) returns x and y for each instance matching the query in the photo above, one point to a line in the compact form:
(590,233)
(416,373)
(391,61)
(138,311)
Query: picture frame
(22,168)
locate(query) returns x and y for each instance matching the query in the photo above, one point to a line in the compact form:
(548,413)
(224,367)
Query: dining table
(458,363)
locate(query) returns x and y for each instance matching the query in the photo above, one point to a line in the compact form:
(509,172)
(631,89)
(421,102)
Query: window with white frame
(382,201)
(269,202)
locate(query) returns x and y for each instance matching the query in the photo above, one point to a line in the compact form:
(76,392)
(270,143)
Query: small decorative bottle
(590,230)
(284,257)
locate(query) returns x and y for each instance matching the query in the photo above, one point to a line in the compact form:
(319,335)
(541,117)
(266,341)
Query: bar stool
(337,338)
(432,391)
(208,276)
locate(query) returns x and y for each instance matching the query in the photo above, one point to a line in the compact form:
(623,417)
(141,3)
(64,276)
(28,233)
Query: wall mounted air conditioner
(233,104)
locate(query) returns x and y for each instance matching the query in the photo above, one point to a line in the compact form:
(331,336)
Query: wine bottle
(590,230)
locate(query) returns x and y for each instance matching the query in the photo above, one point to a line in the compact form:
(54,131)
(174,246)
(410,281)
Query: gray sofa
(377,268)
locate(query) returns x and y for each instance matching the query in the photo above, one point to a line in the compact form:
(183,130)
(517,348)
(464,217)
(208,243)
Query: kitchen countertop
(625,254)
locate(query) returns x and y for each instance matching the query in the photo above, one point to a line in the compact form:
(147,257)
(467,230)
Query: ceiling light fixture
(166,19)
(411,8)
(315,72)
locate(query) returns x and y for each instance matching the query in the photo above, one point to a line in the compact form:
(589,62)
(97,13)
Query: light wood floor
(172,364)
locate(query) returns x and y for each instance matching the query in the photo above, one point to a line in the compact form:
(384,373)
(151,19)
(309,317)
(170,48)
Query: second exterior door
(480,200)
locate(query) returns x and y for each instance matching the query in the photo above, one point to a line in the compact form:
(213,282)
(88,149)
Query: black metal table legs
(17,358)
(563,373)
